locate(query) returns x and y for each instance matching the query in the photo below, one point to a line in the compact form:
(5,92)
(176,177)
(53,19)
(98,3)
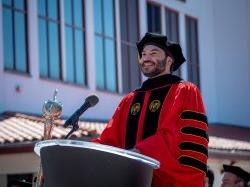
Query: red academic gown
(164,119)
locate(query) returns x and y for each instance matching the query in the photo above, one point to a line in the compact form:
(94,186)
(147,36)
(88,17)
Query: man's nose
(146,57)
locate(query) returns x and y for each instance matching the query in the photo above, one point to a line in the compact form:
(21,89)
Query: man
(164,119)
(234,176)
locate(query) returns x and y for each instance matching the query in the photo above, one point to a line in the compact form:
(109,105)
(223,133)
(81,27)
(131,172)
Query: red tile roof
(16,128)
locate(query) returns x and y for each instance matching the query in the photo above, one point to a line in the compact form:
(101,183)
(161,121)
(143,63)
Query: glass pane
(41,7)
(54,66)
(190,72)
(154,18)
(192,50)
(6,2)
(52,9)
(8,39)
(108,18)
(79,54)
(125,69)
(189,57)
(177,72)
(69,55)
(99,62)
(174,27)
(19,4)
(123,20)
(193,43)
(43,54)
(188,34)
(198,76)
(149,17)
(157,19)
(20,41)
(68,11)
(195,51)
(78,13)
(110,65)
(133,21)
(168,24)
(134,68)
(98,16)
(195,75)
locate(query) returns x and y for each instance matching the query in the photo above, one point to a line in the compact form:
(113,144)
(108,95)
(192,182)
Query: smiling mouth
(147,64)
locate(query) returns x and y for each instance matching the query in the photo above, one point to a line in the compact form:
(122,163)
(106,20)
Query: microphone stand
(75,127)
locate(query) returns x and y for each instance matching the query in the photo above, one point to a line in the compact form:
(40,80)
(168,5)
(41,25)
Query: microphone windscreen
(92,100)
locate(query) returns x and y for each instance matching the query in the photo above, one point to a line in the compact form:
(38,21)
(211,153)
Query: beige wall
(19,163)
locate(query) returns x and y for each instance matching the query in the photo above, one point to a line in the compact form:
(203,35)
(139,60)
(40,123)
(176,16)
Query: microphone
(90,101)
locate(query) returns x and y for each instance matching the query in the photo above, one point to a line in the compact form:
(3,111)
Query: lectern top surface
(99,147)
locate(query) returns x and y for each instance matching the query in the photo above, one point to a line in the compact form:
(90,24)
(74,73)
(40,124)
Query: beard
(155,69)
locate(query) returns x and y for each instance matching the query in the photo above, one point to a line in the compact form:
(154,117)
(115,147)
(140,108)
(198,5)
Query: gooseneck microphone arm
(90,101)
(74,128)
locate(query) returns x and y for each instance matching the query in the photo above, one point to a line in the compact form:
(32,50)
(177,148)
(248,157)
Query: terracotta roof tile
(17,127)
(21,128)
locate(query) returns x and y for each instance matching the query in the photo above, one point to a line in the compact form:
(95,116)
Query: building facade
(82,47)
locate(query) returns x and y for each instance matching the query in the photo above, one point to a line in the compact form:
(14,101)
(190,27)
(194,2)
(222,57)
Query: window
(192,50)
(15,35)
(129,37)
(172,25)
(154,18)
(19,179)
(172,29)
(49,39)
(74,41)
(106,74)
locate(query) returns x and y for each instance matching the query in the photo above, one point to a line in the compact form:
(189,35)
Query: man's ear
(169,60)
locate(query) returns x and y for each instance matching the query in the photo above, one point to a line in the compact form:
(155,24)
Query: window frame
(13,9)
(47,20)
(128,44)
(105,37)
(177,14)
(155,4)
(191,66)
(83,30)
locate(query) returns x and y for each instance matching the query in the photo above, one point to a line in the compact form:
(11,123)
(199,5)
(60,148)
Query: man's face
(230,180)
(153,61)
